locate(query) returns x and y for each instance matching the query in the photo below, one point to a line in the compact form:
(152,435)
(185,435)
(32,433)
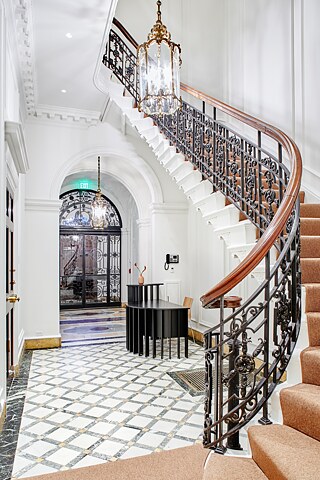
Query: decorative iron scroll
(76,210)
(256,340)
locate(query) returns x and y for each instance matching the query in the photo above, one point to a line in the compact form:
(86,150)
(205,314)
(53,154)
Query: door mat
(190,380)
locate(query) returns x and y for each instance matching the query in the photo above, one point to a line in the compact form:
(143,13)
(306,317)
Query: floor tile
(163,426)
(79,422)
(150,410)
(177,443)
(39,448)
(63,456)
(174,415)
(126,433)
(40,428)
(135,452)
(117,417)
(140,421)
(84,441)
(102,428)
(88,461)
(151,439)
(61,434)
(39,469)
(196,419)
(189,432)
(108,448)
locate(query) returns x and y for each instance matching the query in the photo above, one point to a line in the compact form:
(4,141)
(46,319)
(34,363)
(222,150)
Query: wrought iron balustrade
(256,340)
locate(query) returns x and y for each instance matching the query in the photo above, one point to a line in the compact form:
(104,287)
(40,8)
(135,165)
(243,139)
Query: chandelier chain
(159,11)
(99,189)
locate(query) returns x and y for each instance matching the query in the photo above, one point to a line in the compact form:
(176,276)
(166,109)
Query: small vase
(141,279)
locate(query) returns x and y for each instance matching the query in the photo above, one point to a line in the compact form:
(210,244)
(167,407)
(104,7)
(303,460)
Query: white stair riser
(241,233)
(215,201)
(189,180)
(203,189)
(182,170)
(221,218)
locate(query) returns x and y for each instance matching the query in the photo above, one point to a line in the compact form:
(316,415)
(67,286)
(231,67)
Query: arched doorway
(90,260)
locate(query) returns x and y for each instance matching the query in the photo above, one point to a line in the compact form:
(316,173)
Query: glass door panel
(96,268)
(71,270)
(115,268)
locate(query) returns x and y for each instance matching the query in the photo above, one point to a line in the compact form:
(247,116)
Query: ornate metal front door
(90,261)
(90,270)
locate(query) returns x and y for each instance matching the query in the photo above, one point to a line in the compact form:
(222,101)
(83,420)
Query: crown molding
(66,115)
(22,13)
(14,136)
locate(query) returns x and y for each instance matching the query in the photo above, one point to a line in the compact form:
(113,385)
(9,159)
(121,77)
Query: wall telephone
(170,259)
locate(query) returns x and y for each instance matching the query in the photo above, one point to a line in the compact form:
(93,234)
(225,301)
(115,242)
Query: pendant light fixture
(99,207)
(159,62)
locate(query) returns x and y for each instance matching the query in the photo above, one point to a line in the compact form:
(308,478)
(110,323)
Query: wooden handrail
(284,211)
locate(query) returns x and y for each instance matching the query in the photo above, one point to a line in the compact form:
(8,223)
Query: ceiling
(63,63)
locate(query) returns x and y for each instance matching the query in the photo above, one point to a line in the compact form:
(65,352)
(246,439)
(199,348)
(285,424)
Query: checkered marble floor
(91,404)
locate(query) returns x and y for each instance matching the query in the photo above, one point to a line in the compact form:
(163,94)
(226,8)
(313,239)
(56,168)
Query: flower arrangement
(141,277)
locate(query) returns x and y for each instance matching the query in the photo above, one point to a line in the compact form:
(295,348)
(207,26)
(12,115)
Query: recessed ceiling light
(63,91)
(69,35)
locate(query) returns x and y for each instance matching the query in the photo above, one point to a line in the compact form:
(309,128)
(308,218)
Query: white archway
(134,173)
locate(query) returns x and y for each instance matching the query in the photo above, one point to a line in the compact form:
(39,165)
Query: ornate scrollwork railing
(258,169)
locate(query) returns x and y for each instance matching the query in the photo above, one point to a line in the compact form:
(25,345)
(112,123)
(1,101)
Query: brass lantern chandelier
(99,207)
(159,62)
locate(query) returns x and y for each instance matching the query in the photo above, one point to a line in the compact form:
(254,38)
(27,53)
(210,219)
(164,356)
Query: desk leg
(170,332)
(130,325)
(186,340)
(162,329)
(146,336)
(127,327)
(178,343)
(139,332)
(154,345)
(135,330)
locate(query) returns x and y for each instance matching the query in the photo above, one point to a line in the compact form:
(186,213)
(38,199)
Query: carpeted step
(310,226)
(313,321)
(313,297)
(310,246)
(302,196)
(310,270)
(311,210)
(305,418)
(185,463)
(219,467)
(310,365)
(283,453)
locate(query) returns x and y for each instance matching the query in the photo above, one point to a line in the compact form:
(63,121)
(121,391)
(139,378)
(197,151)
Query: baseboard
(39,343)
(16,368)
(3,416)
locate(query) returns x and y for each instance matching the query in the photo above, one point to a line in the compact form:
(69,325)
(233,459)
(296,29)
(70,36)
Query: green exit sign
(84,185)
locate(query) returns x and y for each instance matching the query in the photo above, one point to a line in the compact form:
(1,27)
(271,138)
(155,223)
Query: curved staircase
(258,338)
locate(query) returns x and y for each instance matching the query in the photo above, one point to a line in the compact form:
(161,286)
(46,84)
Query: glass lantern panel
(176,72)
(143,72)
